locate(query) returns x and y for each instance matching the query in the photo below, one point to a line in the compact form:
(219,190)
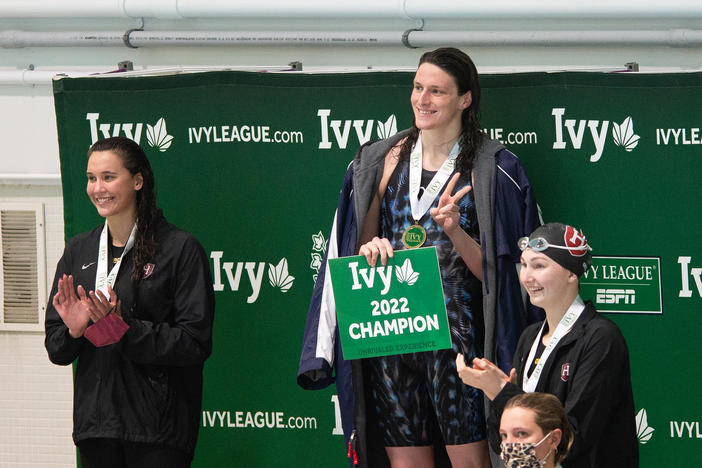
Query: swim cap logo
(575,239)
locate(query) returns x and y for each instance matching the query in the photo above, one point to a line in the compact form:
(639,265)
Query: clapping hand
(103,305)
(77,310)
(484,375)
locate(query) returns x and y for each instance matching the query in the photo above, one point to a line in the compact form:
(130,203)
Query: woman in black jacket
(138,324)
(575,354)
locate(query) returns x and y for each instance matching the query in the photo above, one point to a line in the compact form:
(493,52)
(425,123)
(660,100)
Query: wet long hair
(548,415)
(462,69)
(459,65)
(135,161)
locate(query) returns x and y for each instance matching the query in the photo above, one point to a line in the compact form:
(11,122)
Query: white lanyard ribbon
(421,205)
(102,279)
(564,326)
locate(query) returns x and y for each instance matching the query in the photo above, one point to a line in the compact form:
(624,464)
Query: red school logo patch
(148,269)
(575,241)
(565,371)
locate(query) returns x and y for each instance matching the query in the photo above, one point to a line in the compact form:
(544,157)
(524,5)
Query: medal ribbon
(564,326)
(421,205)
(102,279)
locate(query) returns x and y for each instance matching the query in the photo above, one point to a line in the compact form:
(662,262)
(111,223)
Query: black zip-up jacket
(147,387)
(589,372)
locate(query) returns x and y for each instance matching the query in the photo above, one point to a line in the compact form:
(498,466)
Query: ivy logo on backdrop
(507,137)
(644,432)
(319,246)
(246,133)
(231,275)
(685,430)
(678,429)
(630,285)
(678,136)
(156,135)
(363,130)
(687,273)
(575,134)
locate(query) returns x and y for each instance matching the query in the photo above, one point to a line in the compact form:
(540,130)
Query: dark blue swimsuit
(419,392)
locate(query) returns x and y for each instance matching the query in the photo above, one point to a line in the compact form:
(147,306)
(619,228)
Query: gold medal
(414,236)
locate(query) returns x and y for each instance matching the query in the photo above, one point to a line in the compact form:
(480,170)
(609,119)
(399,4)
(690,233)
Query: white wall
(35,396)
(28,130)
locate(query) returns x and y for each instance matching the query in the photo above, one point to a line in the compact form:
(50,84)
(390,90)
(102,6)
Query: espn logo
(615,296)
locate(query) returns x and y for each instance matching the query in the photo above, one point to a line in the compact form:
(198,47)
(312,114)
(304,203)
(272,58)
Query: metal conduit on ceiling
(412,38)
(410,10)
(407,9)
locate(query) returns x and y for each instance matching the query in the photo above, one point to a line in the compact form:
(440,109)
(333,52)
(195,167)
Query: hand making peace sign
(446,214)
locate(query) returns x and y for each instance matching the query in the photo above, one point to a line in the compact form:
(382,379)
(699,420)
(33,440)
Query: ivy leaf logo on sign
(406,274)
(623,134)
(278,275)
(643,432)
(388,128)
(158,136)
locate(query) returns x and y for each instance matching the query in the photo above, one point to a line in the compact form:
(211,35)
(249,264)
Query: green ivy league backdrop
(255,205)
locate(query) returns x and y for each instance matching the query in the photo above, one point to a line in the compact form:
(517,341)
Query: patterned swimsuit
(417,394)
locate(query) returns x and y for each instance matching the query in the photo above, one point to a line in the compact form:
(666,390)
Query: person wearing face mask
(535,431)
(575,354)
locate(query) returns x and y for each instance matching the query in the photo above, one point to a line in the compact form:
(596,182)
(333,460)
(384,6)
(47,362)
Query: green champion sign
(393,309)
(624,285)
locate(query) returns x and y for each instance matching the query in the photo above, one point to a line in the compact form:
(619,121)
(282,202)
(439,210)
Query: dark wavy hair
(459,65)
(135,161)
(549,415)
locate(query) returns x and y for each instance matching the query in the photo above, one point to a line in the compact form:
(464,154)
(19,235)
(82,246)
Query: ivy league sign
(390,309)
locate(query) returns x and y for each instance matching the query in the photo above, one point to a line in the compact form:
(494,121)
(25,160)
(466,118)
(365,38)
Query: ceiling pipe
(29,179)
(315,9)
(182,9)
(663,38)
(138,38)
(277,38)
(13,39)
(411,38)
(29,77)
(62,9)
(553,9)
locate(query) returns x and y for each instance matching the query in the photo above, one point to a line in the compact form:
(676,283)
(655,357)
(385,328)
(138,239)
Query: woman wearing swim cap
(575,354)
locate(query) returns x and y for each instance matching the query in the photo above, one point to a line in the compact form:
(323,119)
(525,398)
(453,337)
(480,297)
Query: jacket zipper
(352,448)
